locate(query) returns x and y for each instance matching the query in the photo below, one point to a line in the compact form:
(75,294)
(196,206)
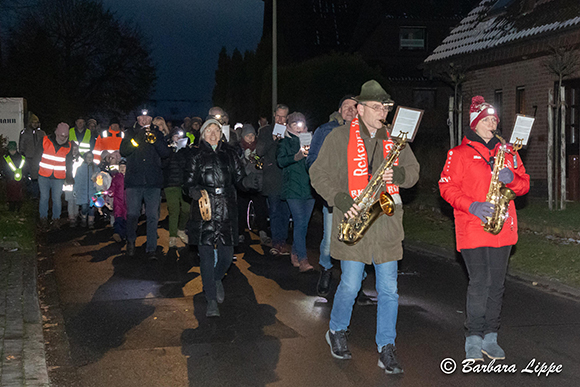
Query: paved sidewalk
(22,356)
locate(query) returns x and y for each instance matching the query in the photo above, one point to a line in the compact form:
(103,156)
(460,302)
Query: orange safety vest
(53,162)
(108,143)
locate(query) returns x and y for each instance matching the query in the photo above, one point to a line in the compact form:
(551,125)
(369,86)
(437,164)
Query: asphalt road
(114,321)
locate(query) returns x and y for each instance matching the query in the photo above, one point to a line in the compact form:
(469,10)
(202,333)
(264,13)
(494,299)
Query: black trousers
(487,267)
(212,271)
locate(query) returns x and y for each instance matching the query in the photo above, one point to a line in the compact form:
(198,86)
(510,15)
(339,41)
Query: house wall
(537,80)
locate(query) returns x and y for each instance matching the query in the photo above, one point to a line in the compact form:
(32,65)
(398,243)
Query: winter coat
(117,190)
(175,165)
(335,120)
(253,177)
(329,175)
(84,187)
(217,172)
(144,161)
(266,148)
(295,173)
(30,139)
(465,179)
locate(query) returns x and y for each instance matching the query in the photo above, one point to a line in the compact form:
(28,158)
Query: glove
(343,201)
(482,210)
(195,194)
(506,176)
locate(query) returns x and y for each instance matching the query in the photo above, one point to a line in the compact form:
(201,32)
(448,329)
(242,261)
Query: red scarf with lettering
(358,171)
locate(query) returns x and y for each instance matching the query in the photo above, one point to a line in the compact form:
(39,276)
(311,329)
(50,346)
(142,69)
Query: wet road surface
(111,320)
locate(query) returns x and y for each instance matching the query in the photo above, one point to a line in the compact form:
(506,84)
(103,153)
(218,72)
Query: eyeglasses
(379,108)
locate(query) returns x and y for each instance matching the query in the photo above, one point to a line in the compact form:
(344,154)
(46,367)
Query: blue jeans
(324,259)
(120,227)
(301,210)
(388,301)
(87,209)
(152,198)
(47,187)
(279,220)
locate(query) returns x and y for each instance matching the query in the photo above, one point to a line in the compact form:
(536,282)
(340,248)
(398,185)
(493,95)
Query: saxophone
(498,194)
(351,230)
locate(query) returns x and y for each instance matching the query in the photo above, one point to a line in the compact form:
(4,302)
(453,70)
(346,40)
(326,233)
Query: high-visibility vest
(85,144)
(108,143)
(17,171)
(191,137)
(53,162)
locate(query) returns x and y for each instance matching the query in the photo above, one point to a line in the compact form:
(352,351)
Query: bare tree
(91,61)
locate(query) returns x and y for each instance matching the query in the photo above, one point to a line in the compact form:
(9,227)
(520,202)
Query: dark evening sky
(186,37)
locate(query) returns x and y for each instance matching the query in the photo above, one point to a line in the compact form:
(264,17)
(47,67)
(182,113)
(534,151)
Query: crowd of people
(209,172)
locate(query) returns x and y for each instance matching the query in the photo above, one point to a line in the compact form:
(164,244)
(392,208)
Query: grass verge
(538,252)
(19,227)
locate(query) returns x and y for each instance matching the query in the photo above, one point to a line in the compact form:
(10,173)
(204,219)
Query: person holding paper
(266,148)
(346,113)
(345,164)
(229,135)
(296,187)
(464,183)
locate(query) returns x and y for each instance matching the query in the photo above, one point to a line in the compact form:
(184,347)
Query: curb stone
(537,282)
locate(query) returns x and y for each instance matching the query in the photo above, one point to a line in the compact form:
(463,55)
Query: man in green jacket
(345,164)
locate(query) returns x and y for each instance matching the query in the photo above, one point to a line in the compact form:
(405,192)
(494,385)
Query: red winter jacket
(465,179)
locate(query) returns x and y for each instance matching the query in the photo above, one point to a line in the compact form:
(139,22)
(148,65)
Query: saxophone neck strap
(489,162)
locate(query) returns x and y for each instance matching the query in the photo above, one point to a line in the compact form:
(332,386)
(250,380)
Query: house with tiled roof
(503,47)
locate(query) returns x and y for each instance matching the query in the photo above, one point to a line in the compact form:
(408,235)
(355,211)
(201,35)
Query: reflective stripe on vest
(17,171)
(53,162)
(85,145)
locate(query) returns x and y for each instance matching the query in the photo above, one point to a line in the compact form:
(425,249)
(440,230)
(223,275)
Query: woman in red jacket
(464,183)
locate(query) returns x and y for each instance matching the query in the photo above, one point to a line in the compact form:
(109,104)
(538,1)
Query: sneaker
(130,249)
(274,251)
(363,300)
(305,266)
(172,242)
(388,360)
(338,345)
(72,222)
(241,238)
(284,250)
(294,260)
(265,239)
(43,224)
(54,225)
(323,287)
(212,309)
(152,256)
(117,238)
(181,234)
(220,292)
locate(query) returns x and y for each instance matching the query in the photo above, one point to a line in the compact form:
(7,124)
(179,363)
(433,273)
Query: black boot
(324,282)
(130,249)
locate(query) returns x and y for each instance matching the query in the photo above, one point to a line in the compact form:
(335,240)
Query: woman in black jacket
(216,169)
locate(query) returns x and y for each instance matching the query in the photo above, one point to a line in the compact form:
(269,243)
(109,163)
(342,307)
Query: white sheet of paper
(522,129)
(181,143)
(226,132)
(279,130)
(305,139)
(407,122)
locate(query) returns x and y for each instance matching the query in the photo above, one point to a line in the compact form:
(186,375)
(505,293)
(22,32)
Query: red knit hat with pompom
(480,109)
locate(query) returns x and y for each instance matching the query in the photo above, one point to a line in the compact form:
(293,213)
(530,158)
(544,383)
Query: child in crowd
(117,192)
(85,188)
(14,162)
(68,189)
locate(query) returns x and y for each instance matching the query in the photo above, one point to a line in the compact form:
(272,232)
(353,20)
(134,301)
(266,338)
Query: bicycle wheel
(251,216)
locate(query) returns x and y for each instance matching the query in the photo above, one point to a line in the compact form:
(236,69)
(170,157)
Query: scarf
(358,175)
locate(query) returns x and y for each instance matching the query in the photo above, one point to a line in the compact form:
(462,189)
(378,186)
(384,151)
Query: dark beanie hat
(348,96)
(247,129)
(114,120)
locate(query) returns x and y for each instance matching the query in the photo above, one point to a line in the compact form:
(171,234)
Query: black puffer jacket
(175,167)
(218,172)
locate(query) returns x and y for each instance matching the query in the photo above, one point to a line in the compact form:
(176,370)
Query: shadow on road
(240,348)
